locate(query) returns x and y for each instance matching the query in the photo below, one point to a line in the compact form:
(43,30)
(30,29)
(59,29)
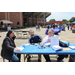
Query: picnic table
(32,49)
(21,34)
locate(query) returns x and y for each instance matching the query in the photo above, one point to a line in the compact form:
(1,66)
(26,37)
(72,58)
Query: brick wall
(2,15)
(16,17)
(12,16)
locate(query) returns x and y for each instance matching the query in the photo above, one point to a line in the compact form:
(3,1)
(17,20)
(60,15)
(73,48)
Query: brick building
(24,18)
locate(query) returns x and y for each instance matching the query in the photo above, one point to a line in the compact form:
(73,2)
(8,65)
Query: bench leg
(3,60)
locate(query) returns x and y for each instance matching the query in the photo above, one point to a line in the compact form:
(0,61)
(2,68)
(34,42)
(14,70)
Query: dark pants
(60,57)
(47,58)
(19,56)
(14,58)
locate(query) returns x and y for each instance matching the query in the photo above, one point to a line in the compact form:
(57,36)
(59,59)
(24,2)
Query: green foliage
(65,21)
(52,20)
(72,19)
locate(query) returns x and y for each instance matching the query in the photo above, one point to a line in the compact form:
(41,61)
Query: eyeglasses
(12,33)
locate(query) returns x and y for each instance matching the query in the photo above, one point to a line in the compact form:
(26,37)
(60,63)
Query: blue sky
(58,16)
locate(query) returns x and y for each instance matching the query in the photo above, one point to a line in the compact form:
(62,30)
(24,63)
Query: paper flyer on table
(21,48)
(73,47)
(54,41)
(56,47)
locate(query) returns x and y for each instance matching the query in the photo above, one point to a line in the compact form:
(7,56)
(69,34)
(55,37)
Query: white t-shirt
(47,39)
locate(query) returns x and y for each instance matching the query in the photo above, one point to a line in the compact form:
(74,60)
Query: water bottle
(23,45)
(39,46)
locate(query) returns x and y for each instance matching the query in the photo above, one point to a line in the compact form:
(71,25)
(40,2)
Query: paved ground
(64,35)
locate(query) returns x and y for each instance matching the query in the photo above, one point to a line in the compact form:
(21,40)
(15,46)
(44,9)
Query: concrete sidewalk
(64,35)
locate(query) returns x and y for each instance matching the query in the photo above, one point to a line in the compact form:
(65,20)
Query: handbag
(63,44)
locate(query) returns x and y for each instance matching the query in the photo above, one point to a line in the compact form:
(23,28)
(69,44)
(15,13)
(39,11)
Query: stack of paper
(21,48)
(73,47)
(47,44)
(57,47)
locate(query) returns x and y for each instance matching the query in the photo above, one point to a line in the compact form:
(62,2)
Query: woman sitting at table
(47,39)
(8,48)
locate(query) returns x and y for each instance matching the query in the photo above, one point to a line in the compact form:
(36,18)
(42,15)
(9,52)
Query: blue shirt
(35,39)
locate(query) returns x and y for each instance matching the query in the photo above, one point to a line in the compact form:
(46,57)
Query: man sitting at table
(34,39)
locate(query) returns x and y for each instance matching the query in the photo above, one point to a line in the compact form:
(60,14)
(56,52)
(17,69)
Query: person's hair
(47,27)
(31,30)
(51,31)
(9,32)
(53,26)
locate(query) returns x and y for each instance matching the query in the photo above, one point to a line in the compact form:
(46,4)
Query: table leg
(25,57)
(72,58)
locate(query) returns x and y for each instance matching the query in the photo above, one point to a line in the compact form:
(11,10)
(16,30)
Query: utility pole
(44,18)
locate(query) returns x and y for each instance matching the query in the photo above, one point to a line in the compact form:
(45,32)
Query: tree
(72,19)
(52,20)
(65,21)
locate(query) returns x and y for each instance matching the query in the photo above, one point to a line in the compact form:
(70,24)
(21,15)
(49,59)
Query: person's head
(10,34)
(31,32)
(53,26)
(47,27)
(50,33)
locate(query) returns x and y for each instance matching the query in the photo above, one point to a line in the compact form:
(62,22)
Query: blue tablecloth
(48,50)
(60,28)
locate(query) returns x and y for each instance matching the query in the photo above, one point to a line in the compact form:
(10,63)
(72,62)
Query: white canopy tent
(6,22)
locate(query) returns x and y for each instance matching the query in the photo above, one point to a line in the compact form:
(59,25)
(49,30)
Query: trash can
(73,30)
(8,28)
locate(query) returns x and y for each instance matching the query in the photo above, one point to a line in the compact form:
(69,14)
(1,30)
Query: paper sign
(54,41)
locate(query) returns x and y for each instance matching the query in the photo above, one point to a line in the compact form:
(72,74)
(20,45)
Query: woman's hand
(16,49)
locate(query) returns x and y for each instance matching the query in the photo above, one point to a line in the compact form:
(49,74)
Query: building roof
(55,22)
(39,14)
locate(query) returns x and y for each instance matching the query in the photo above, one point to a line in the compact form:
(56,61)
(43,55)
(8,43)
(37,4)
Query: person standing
(47,30)
(36,27)
(68,27)
(3,26)
(39,27)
